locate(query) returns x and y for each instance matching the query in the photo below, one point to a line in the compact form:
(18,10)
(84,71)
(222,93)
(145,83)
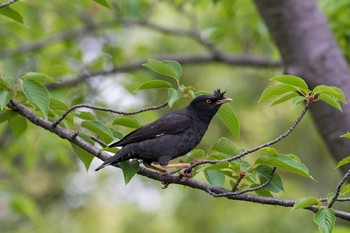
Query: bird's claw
(185,173)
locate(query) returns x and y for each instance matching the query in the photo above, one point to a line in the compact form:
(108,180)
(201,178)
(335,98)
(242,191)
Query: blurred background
(95,53)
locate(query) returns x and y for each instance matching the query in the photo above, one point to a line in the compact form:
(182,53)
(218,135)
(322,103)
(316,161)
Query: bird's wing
(172,123)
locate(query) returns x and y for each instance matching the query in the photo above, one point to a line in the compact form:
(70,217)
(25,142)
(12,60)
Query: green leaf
(18,125)
(56,104)
(325,219)
(85,116)
(226,146)
(154,84)
(215,177)
(175,67)
(297,100)
(37,94)
(104,133)
(276,91)
(129,168)
(104,3)
(83,155)
(173,96)
(168,68)
(6,115)
(346,135)
(292,81)
(330,197)
(264,173)
(306,202)
(330,90)
(38,77)
(5,97)
(268,150)
(12,14)
(228,116)
(343,162)
(331,100)
(127,122)
(285,162)
(285,97)
(24,206)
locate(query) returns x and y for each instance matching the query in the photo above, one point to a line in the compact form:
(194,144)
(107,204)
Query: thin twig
(232,193)
(344,199)
(106,110)
(297,121)
(5,4)
(336,195)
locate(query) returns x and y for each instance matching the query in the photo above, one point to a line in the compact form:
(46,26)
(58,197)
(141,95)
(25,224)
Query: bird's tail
(112,160)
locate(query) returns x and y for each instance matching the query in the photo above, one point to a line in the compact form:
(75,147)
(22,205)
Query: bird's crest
(218,94)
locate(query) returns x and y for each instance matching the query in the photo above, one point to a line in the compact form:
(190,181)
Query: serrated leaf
(38,77)
(268,150)
(18,125)
(173,96)
(103,3)
(5,97)
(343,162)
(129,168)
(264,173)
(85,115)
(168,68)
(215,177)
(277,91)
(331,100)
(226,146)
(37,94)
(292,81)
(306,202)
(127,122)
(104,133)
(154,84)
(325,219)
(12,14)
(6,115)
(175,67)
(284,162)
(330,197)
(83,155)
(228,116)
(6,83)
(56,104)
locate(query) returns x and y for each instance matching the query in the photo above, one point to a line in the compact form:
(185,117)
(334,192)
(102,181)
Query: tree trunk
(309,51)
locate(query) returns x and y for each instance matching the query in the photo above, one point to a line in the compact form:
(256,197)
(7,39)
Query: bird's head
(207,105)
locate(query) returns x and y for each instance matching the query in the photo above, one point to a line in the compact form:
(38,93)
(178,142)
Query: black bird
(171,136)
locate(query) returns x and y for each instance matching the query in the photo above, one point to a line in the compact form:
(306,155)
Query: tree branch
(232,60)
(5,4)
(106,110)
(169,179)
(340,185)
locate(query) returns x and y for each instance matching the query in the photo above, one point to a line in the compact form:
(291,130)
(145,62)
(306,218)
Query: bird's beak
(222,101)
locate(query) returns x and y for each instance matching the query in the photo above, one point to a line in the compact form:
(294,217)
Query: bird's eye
(208,101)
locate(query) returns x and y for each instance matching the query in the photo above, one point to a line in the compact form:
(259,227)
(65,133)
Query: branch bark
(73,137)
(308,50)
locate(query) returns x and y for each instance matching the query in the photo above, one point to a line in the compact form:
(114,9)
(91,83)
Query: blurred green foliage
(44,186)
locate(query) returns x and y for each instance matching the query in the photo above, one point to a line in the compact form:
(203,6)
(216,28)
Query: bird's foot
(186,174)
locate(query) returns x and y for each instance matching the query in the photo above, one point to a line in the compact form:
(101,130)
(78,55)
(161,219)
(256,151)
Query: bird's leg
(182,167)
(177,165)
(150,166)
